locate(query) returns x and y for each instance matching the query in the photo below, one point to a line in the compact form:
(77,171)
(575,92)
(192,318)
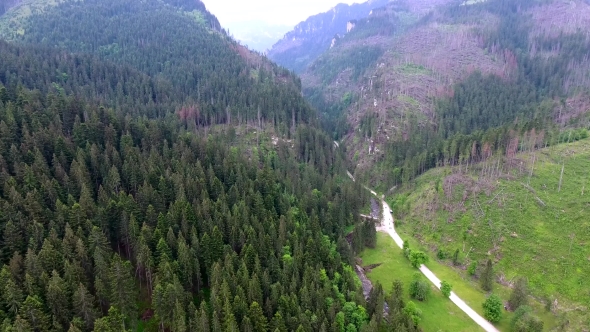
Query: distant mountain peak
(310,38)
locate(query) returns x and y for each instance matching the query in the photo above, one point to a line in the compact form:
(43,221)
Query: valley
(158,175)
(475,101)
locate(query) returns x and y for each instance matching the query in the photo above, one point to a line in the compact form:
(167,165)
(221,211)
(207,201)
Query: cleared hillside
(425,73)
(528,213)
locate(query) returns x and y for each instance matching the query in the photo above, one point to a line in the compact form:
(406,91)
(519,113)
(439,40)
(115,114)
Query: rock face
(349,26)
(310,38)
(367,285)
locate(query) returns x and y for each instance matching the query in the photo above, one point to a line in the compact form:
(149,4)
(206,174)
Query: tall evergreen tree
(519,295)
(487,277)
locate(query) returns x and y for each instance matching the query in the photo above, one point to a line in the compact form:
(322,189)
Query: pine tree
(21,325)
(186,261)
(113,322)
(13,297)
(74,328)
(32,311)
(247,325)
(277,323)
(163,305)
(396,299)
(203,318)
(179,318)
(50,258)
(13,239)
(375,302)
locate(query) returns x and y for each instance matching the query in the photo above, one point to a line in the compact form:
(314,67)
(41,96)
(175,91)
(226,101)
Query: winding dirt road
(387,227)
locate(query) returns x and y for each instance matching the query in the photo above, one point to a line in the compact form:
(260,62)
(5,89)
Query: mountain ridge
(159,176)
(399,89)
(311,37)
(170,44)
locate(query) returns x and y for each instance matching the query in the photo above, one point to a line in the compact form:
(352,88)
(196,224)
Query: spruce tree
(396,299)
(487,277)
(259,322)
(84,305)
(519,295)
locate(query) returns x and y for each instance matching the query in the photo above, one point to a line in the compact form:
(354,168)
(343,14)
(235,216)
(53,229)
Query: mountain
(257,35)
(183,47)
(411,80)
(301,46)
(158,176)
(473,118)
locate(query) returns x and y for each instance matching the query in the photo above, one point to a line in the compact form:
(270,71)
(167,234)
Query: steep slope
(211,75)
(119,223)
(124,207)
(310,38)
(410,78)
(527,212)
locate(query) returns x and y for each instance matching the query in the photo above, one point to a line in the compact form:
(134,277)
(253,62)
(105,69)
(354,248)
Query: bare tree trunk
(572,237)
(259,128)
(532,169)
(561,176)
(293,122)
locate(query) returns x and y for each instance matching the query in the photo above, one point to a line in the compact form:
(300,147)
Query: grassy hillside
(439,313)
(529,214)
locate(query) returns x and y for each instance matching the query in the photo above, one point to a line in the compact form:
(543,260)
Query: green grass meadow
(438,312)
(530,226)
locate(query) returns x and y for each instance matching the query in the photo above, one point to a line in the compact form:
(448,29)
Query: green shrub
(417,258)
(525,321)
(412,310)
(492,308)
(419,288)
(446,288)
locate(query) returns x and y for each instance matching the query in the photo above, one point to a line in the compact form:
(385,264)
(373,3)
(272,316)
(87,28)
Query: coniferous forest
(128,203)
(156,175)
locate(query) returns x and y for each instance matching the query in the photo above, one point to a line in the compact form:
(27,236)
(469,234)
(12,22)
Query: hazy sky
(284,12)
